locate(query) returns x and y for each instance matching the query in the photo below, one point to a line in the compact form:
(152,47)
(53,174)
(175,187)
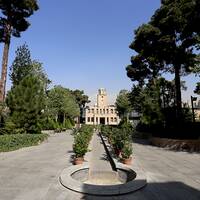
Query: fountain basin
(76,178)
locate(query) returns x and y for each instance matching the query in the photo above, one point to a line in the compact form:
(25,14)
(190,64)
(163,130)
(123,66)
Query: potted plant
(79,148)
(126,153)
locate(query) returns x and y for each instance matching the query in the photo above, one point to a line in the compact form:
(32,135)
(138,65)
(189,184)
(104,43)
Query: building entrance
(102,120)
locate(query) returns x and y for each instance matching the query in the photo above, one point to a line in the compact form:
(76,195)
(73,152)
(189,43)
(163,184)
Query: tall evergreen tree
(26,102)
(123,104)
(13,21)
(23,66)
(170,40)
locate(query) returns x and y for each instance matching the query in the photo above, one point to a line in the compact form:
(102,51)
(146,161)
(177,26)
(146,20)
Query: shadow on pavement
(156,191)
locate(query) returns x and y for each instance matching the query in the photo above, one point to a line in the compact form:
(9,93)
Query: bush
(106,131)
(17,141)
(127,150)
(118,136)
(80,146)
(82,138)
(49,124)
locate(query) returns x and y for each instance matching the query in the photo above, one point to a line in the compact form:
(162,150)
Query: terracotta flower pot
(78,161)
(127,161)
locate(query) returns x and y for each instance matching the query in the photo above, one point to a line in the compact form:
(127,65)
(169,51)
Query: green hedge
(17,141)
(82,139)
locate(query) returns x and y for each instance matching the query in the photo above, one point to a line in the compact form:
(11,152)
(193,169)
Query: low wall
(173,144)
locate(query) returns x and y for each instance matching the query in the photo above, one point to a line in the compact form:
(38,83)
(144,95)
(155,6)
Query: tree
(197,89)
(123,104)
(13,21)
(170,40)
(26,102)
(23,66)
(62,104)
(177,40)
(81,100)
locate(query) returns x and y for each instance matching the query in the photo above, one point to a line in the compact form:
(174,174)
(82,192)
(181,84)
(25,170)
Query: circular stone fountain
(76,178)
(102,176)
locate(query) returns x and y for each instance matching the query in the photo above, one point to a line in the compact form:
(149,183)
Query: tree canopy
(62,104)
(13,21)
(123,104)
(26,102)
(168,43)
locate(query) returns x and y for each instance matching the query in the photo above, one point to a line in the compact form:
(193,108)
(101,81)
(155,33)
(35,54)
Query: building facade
(101,113)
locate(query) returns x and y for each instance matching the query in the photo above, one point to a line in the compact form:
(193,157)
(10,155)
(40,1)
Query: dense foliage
(81,100)
(61,108)
(168,43)
(15,141)
(123,104)
(81,140)
(120,137)
(26,102)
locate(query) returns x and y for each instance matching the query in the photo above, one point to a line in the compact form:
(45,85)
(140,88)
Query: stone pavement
(32,173)
(29,173)
(100,171)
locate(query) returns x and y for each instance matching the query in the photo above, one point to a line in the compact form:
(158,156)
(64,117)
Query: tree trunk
(178,93)
(64,119)
(4,72)
(5,63)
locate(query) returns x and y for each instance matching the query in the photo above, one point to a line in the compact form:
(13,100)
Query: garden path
(100,171)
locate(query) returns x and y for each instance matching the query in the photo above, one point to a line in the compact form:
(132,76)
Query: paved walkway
(32,173)
(100,171)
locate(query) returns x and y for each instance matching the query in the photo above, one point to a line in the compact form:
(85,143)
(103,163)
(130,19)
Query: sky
(84,44)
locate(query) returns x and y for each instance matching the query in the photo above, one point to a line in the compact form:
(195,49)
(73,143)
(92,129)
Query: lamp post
(192,100)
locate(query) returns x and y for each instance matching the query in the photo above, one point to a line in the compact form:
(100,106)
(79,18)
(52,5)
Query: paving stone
(33,172)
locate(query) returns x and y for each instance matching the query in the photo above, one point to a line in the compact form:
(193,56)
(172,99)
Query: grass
(17,141)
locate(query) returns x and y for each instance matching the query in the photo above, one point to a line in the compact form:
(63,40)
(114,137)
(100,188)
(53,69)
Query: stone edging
(103,190)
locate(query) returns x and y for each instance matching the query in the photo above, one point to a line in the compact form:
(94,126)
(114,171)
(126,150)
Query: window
(104,111)
(111,110)
(115,119)
(88,110)
(107,110)
(92,119)
(92,110)
(107,120)
(88,119)
(111,119)
(97,119)
(97,110)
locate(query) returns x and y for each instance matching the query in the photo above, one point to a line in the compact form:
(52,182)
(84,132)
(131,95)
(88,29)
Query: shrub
(106,131)
(80,146)
(82,138)
(127,150)
(17,141)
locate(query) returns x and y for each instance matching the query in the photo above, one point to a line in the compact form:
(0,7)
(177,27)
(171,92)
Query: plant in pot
(126,153)
(79,148)
(118,140)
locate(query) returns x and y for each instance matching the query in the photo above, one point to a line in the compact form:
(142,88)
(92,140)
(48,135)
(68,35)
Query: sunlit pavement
(32,173)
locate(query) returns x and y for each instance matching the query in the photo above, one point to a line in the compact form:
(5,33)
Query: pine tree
(21,66)
(27,103)
(13,21)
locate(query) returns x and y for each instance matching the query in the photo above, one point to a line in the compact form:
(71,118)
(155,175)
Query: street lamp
(192,100)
